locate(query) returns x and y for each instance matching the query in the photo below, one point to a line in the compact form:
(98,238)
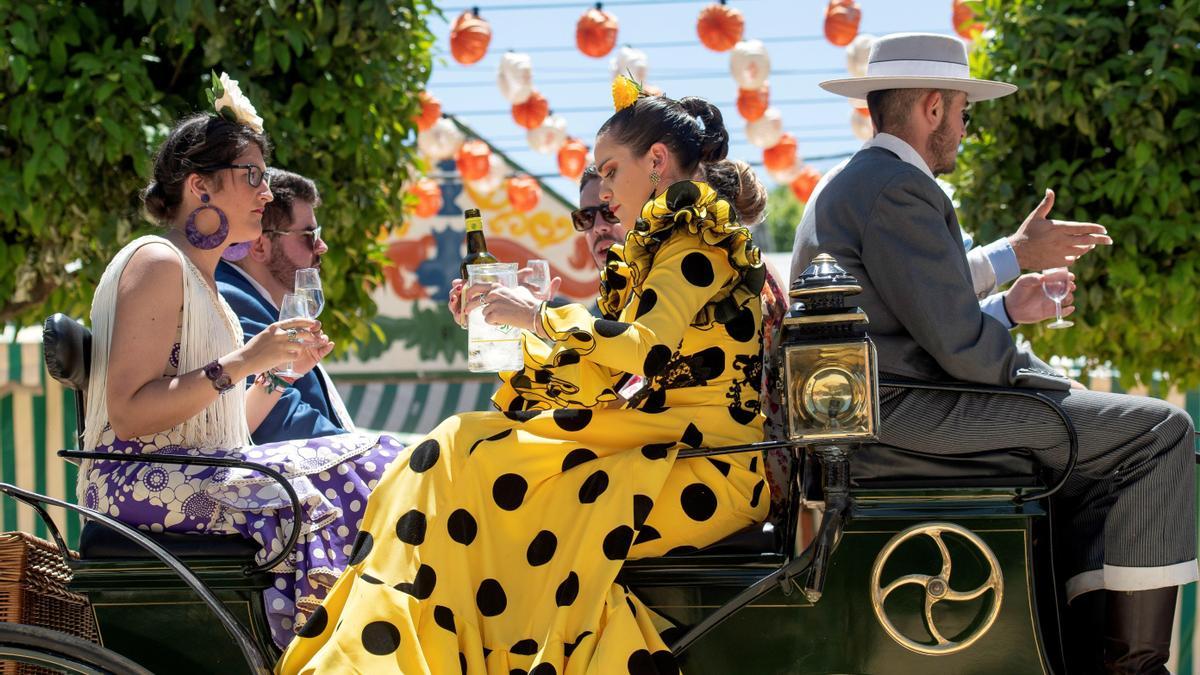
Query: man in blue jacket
(254,287)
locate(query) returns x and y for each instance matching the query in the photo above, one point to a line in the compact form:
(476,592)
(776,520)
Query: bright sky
(577,86)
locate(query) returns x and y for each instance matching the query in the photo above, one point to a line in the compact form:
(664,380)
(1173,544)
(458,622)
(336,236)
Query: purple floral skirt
(333,477)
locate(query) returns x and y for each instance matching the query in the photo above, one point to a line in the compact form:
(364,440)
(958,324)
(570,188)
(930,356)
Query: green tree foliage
(88,90)
(783,215)
(1108,115)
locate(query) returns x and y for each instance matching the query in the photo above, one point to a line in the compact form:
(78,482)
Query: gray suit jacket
(894,229)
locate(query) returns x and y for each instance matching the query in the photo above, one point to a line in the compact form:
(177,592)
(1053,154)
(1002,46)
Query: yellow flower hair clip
(625,92)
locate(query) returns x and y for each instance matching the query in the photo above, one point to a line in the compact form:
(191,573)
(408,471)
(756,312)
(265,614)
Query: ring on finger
(293,335)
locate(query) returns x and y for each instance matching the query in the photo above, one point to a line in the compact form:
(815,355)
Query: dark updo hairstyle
(198,141)
(694,131)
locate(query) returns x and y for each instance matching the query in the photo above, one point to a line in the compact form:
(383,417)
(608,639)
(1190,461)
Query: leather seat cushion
(884,466)
(97,542)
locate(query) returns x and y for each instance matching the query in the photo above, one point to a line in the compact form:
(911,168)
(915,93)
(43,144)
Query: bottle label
(474,224)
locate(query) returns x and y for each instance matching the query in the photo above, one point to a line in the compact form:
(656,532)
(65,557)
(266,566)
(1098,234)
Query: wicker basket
(33,591)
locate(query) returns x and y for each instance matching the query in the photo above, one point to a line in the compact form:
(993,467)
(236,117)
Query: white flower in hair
(229,102)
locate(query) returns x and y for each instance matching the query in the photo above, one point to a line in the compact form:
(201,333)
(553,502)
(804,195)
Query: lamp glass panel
(831,391)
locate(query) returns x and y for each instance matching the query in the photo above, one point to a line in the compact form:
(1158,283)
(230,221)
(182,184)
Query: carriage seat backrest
(68,351)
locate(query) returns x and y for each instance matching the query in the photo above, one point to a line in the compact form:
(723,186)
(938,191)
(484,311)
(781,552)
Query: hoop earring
(236,251)
(206,242)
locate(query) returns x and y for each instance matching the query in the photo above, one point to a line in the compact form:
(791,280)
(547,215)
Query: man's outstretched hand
(1042,243)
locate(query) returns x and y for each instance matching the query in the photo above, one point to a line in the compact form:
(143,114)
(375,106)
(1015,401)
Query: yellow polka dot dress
(493,545)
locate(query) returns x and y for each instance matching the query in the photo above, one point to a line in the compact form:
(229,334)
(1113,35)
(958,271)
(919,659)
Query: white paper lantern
(857,53)
(515,77)
(750,64)
(766,131)
(549,137)
(497,172)
(630,62)
(861,126)
(857,103)
(441,141)
(786,176)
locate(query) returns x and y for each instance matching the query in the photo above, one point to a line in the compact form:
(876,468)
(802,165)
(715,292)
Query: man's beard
(943,148)
(283,270)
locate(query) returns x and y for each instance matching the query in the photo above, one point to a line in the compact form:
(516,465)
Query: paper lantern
(785,176)
(781,155)
(572,158)
(964,21)
(858,53)
(429,197)
(532,112)
(596,32)
(841,21)
(524,193)
(548,137)
(861,126)
(630,62)
(472,160)
(752,103)
(497,172)
(440,141)
(515,77)
(805,182)
(720,27)
(469,38)
(766,130)
(750,64)
(431,111)
(859,105)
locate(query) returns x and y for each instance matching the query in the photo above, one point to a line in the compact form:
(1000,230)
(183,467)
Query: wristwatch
(219,378)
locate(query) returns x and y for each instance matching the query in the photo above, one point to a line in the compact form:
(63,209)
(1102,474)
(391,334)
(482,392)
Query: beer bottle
(477,253)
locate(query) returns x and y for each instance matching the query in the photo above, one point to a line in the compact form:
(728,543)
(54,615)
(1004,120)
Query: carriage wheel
(61,652)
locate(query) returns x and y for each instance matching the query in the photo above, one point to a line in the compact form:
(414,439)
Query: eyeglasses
(966,118)
(254,174)
(585,219)
(313,234)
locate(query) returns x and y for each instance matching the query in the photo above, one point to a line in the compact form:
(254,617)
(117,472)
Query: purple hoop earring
(237,251)
(206,242)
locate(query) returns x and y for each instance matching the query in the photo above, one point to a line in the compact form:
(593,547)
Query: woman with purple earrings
(169,363)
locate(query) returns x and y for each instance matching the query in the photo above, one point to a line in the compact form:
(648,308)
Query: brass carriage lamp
(831,381)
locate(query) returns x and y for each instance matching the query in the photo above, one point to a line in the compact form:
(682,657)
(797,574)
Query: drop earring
(654,179)
(202,241)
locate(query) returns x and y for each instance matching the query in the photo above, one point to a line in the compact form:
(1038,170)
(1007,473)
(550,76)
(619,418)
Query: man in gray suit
(1130,509)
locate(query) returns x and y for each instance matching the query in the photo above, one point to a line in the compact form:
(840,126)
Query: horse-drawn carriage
(879,560)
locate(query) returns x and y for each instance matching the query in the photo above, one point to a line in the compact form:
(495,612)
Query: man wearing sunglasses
(599,226)
(254,287)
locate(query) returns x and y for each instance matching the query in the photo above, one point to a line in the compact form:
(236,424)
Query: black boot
(1137,636)
(1085,623)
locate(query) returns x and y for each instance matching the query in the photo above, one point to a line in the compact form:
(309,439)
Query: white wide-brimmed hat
(918,61)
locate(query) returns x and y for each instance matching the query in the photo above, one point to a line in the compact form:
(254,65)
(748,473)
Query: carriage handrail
(225,462)
(1072,435)
(255,658)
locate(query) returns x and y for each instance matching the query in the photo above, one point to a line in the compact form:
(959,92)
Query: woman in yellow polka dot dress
(493,545)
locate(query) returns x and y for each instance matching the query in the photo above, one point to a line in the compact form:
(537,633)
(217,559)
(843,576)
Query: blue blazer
(304,410)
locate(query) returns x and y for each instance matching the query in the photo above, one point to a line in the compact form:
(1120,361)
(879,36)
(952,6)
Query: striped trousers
(1128,513)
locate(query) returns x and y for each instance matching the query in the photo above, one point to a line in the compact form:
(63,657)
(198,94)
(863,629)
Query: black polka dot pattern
(655,402)
(610,329)
(425,456)
(647,533)
(316,623)
(646,303)
(617,542)
(567,591)
(370,579)
(544,669)
(656,450)
(615,280)
(682,195)
(572,419)
(697,270)
(462,527)
(582,336)
(698,502)
(641,510)
(753,464)
(712,362)
(741,415)
(576,457)
(363,543)
(526,647)
(411,528)
(462,663)
(422,585)
(567,357)
(723,467)
(444,617)
(682,550)
(757,494)
(520,415)
(490,598)
(664,663)
(381,638)
(494,437)
(509,491)
(743,326)
(642,663)
(593,487)
(656,360)
(570,647)
(692,436)
(542,548)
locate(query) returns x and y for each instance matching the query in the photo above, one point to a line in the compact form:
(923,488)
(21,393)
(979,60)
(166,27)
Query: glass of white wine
(1056,284)
(308,284)
(295,306)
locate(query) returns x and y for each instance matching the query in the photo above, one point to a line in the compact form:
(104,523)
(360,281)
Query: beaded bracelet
(272,382)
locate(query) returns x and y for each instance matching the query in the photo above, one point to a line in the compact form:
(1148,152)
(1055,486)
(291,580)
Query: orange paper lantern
(964,21)
(782,155)
(429,197)
(532,112)
(841,21)
(524,193)
(572,158)
(596,32)
(804,183)
(720,27)
(431,111)
(752,103)
(473,160)
(469,38)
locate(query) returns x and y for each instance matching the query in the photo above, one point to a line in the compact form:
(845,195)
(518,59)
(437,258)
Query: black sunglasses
(966,118)
(584,219)
(254,174)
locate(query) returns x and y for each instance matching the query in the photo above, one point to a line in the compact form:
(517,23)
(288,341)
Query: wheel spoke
(960,596)
(930,601)
(919,579)
(937,538)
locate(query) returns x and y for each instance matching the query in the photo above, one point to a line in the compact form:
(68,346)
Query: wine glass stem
(1058,311)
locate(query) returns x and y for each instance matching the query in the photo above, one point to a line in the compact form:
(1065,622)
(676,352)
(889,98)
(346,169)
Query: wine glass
(538,279)
(295,306)
(1056,283)
(308,283)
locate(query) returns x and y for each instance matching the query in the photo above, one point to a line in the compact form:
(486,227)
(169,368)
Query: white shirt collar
(257,286)
(902,149)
